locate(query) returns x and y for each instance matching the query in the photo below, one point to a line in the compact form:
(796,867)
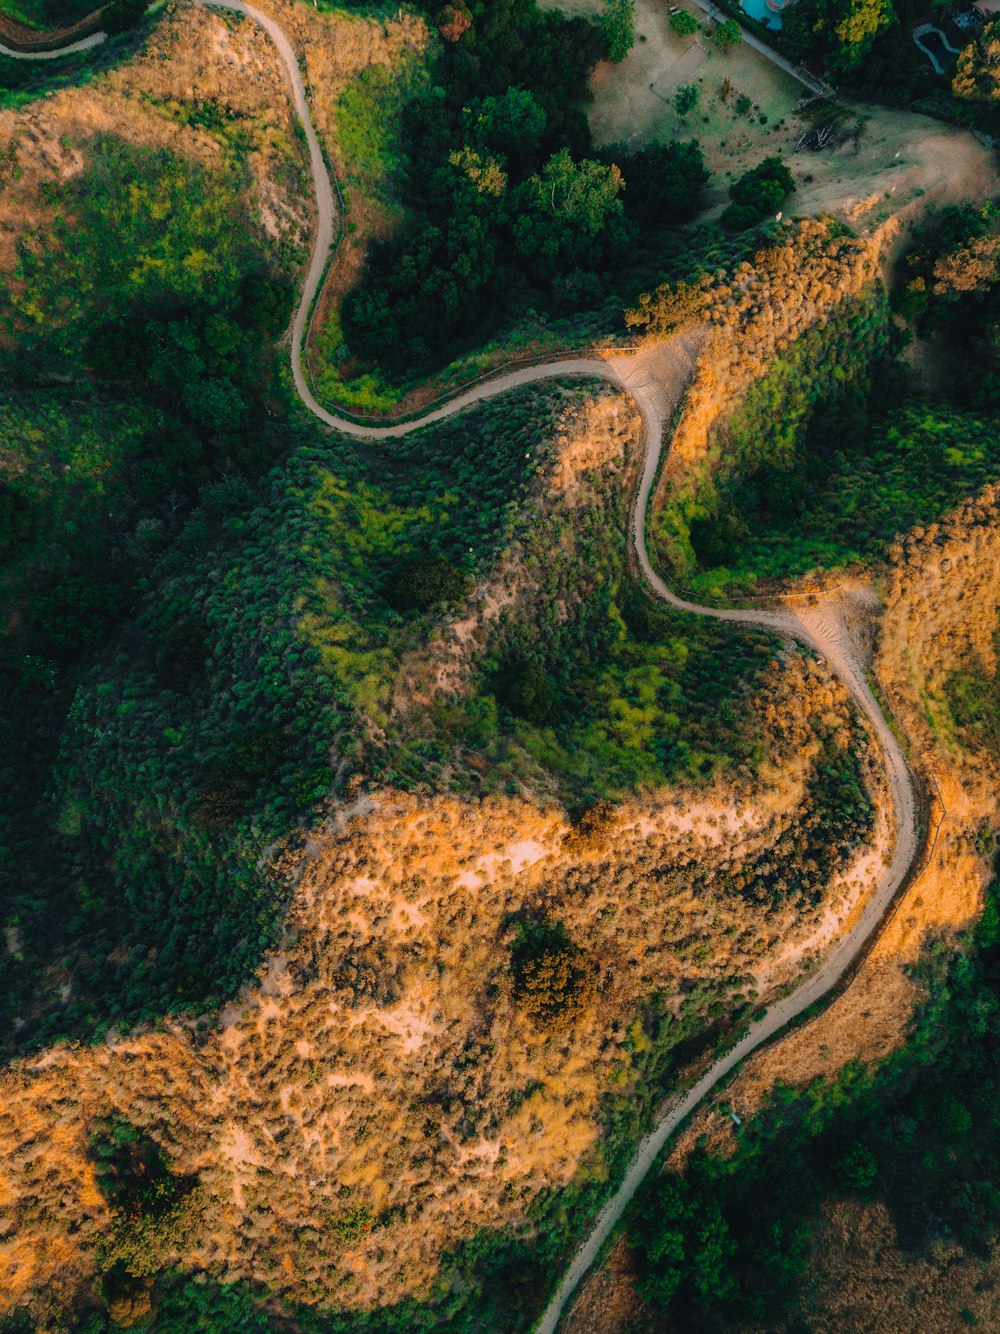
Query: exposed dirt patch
(900,157)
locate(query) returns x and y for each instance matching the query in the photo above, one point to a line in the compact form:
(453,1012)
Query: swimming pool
(759,10)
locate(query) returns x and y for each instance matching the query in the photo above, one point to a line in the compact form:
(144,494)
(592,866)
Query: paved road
(654,377)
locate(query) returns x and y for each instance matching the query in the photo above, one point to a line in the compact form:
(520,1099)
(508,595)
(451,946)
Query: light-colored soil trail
(84,44)
(654,377)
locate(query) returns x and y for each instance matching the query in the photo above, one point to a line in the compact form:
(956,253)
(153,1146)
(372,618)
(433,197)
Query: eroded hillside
(939,623)
(204,86)
(518,844)
(936,649)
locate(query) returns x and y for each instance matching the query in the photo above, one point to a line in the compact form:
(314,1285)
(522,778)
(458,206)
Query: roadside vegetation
(224,625)
(23,81)
(837,450)
(508,224)
(732,1238)
(47,14)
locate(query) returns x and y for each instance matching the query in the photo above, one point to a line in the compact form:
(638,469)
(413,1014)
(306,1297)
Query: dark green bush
(427,582)
(120,15)
(552,978)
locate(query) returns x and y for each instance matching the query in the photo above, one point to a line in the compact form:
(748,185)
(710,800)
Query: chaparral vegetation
(382,846)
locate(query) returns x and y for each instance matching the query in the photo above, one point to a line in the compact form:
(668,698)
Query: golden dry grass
(942,609)
(380,1059)
(757,312)
(866,1281)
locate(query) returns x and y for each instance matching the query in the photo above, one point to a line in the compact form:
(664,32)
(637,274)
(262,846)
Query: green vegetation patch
(511,215)
(974,703)
(22,81)
(147,1200)
(367,121)
(600,685)
(552,979)
(732,1238)
(826,460)
(185,673)
(47,15)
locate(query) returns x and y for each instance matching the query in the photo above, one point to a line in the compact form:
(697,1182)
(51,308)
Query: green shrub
(686,98)
(527,690)
(739,217)
(764,187)
(120,15)
(426,582)
(727,34)
(552,979)
(618,26)
(663,182)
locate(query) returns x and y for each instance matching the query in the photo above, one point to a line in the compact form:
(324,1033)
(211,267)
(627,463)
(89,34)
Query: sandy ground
(626,109)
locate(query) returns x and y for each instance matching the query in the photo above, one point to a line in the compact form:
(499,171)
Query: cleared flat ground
(901,158)
(627,109)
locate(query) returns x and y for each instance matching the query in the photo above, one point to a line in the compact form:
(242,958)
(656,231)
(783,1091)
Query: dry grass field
(941,609)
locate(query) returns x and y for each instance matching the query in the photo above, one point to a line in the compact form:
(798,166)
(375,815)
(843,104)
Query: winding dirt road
(655,379)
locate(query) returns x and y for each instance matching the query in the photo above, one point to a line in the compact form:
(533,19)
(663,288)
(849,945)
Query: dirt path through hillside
(655,378)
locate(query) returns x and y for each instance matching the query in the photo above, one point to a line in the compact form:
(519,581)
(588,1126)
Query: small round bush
(738,217)
(683,23)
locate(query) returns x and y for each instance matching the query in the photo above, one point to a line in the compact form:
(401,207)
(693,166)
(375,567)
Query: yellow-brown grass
(380,1059)
(193,56)
(942,602)
(941,611)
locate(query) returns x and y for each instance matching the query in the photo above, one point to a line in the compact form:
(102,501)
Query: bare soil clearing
(627,110)
(902,157)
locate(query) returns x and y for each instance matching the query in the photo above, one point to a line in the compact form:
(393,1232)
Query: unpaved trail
(654,377)
(84,44)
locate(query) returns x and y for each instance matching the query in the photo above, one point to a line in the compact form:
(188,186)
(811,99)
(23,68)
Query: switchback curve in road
(654,379)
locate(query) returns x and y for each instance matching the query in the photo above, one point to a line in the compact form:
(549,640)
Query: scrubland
(203,87)
(379,1094)
(504,846)
(899,1263)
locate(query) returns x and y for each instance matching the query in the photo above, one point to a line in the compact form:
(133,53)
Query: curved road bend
(645,376)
